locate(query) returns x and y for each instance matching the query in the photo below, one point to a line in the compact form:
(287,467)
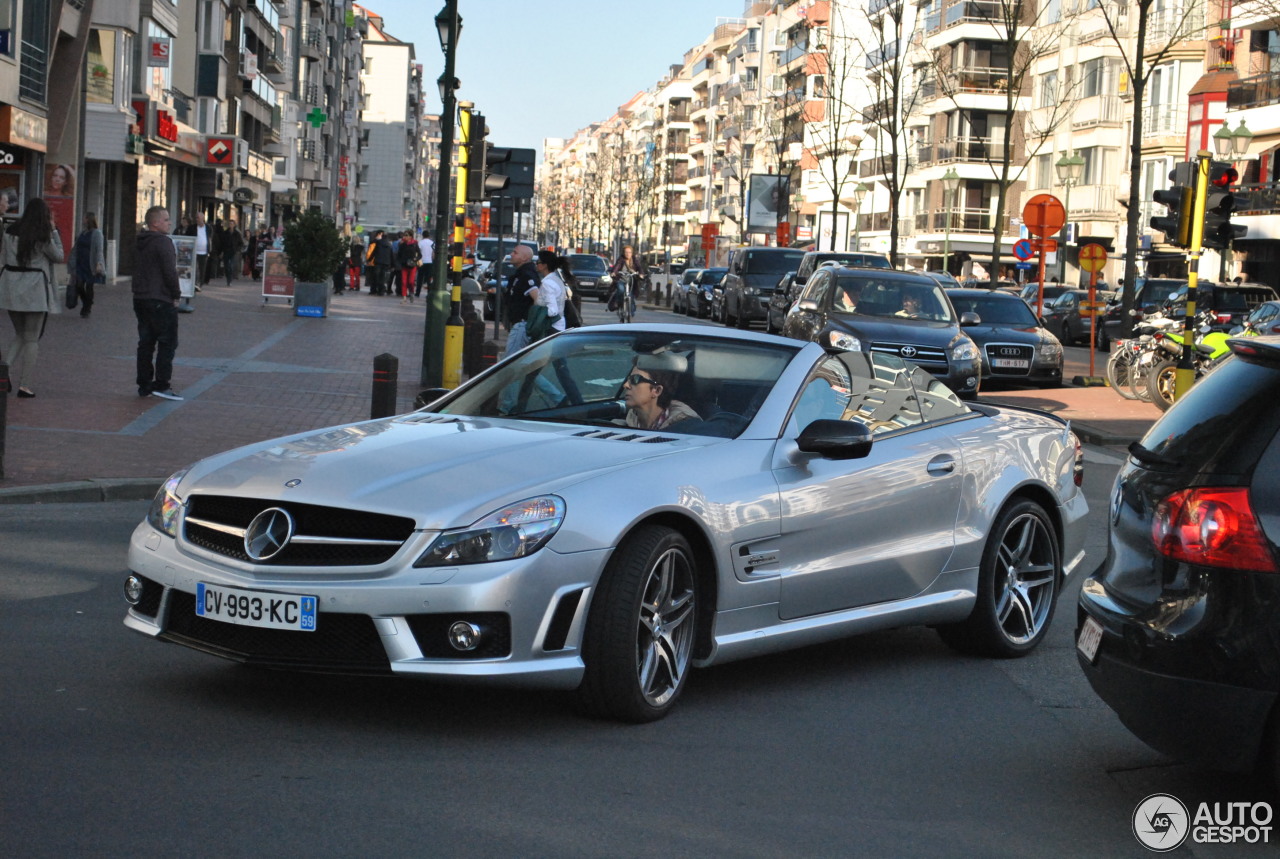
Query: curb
(119,489)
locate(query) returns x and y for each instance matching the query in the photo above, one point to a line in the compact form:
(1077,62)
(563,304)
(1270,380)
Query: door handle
(942,465)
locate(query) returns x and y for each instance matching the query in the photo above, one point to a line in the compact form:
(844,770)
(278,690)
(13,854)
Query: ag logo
(1161,822)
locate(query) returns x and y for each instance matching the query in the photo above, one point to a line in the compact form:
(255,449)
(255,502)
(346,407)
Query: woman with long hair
(627,274)
(28,286)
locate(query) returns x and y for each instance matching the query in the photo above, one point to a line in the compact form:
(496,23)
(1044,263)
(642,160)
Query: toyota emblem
(907,351)
(268,534)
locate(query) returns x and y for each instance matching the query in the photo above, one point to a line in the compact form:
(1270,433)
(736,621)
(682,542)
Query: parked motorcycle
(1208,348)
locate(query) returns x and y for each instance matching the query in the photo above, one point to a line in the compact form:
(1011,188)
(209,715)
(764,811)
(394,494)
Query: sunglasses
(636,379)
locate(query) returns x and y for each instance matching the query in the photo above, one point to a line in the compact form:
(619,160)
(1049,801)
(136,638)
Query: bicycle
(626,304)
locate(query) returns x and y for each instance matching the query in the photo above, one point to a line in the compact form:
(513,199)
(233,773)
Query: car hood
(445,471)
(919,331)
(1033,334)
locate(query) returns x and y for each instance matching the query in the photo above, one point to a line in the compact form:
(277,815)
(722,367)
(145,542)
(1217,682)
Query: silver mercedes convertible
(613,506)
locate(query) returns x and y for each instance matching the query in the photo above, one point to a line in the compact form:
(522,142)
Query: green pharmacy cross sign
(317,117)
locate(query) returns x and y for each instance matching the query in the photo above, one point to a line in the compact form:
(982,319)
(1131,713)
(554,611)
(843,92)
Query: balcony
(976,80)
(882,55)
(957,149)
(971,11)
(962,221)
(1097,111)
(881,166)
(1257,91)
(311,39)
(1164,120)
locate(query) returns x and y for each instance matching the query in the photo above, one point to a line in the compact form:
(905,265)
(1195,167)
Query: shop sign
(158,53)
(166,126)
(11,158)
(23,129)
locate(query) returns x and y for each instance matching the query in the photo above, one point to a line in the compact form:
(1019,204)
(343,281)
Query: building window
(33,74)
(8,16)
(1099,165)
(1042,172)
(100,67)
(1048,90)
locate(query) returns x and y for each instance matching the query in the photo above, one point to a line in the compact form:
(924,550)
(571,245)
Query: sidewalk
(250,370)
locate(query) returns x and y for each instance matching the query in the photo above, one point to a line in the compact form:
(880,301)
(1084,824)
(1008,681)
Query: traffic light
(1179,199)
(476,149)
(495,179)
(1219,203)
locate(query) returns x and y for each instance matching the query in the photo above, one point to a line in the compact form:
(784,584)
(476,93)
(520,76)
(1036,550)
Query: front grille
(925,356)
(1014,351)
(340,644)
(432,634)
(228,516)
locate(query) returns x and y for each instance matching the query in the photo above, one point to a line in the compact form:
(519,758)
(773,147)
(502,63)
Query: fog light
(133,590)
(971,381)
(464,635)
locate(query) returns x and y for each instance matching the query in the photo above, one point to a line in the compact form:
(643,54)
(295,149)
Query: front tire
(641,628)
(1162,381)
(1017,587)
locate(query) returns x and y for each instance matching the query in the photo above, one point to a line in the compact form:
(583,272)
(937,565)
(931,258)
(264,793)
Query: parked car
(683,287)
(1178,630)
(1063,314)
(749,284)
(944,279)
(1014,345)
(931,337)
(814,496)
(487,251)
(702,293)
(1149,295)
(784,295)
(1030,293)
(1230,303)
(592,275)
(791,283)
(1264,320)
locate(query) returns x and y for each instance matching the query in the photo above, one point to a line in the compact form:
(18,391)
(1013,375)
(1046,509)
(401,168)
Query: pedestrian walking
(355,263)
(202,233)
(382,262)
(231,251)
(29,287)
(155,304)
(408,258)
(522,291)
(425,271)
(87,263)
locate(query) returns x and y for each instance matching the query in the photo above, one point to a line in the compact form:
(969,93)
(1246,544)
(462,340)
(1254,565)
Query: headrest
(662,361)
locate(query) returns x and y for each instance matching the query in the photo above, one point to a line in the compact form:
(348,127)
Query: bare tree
(1023,33)
(780,128)
(1157,33)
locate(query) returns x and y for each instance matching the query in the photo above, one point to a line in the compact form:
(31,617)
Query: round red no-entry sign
(1044,215)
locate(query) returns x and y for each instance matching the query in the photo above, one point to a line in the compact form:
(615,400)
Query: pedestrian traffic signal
(1179,199)
(1219,203)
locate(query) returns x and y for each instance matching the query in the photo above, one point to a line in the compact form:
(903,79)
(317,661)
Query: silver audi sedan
(614,506)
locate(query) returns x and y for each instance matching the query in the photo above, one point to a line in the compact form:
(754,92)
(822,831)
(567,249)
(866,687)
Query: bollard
(386,376)
(667,301)
(489,356)
(4,408)
(472,345)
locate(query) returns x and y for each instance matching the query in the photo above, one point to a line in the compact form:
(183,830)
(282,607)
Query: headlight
(163,514)
(1050,351)
(749,290)
(606,279)
(512,532)
(847,342)
(965,351)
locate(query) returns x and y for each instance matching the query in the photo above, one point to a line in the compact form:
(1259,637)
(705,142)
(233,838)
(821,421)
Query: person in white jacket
(553,291)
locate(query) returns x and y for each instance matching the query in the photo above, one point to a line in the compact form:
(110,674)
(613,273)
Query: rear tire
(641,628)
(1017,587)
(1162,382)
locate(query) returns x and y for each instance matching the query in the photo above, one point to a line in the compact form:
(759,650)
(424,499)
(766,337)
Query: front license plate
(256,608)
(1090,638)
(1010,362)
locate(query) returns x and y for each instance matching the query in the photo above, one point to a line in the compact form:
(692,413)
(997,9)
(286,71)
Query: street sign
(1049,246)
(1044,215)
(1022,250)
(1026,266)
(1092,257)
(219,151)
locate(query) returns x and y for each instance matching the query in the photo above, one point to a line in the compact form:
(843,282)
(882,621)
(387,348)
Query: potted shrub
(314,249)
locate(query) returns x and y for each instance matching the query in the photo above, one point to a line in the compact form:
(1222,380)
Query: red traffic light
(1222,174)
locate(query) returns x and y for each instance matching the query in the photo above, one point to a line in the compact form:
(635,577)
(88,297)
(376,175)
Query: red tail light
(1223,318)
(1213,527)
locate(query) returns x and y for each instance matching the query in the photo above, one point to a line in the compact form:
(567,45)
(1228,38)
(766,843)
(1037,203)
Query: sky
(545,69)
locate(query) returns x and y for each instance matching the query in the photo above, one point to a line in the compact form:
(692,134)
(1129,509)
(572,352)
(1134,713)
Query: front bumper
(388,619)
(1154,668)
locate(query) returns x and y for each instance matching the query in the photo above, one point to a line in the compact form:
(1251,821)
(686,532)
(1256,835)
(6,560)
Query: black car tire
(727,320)
(1161,383)
(768,324)
(641,628)
(1017,586)
(743,321)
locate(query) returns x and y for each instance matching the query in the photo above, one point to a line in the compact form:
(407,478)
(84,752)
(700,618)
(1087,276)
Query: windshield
(901,298)
(993,311)
(586,264)
(712,276)
(772,262)
(577,378)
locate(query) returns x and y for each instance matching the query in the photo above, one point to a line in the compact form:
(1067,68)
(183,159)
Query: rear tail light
(1213,527)
(1223,318)
(1078,471)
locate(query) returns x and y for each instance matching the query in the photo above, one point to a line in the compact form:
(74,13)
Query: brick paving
(251,370)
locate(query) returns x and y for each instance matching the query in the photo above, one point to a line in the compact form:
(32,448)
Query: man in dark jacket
(155,303)
(522,291)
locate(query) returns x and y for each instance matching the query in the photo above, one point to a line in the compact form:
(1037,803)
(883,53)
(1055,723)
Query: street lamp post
(449,27)
(1230,145)
(1069,171)
(859,193)
(950,182)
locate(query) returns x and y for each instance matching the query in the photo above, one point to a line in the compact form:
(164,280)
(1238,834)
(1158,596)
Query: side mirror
(807,304)
(836,439)
(969,318)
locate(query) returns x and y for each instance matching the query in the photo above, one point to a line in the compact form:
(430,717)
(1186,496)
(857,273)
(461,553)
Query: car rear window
(1226,423)
(772,262)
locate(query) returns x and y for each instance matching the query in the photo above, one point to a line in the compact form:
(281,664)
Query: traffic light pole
(1186,375)
(451,375)
(433,326)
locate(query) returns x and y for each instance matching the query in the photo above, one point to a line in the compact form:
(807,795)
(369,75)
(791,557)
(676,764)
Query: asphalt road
(887,744)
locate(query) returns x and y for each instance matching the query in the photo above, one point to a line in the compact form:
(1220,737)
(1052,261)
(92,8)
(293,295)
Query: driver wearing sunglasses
(649,391)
